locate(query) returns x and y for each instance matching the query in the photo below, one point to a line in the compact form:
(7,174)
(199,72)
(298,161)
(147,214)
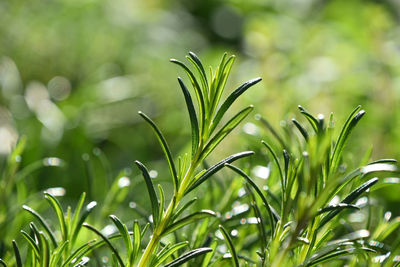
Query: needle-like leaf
(18,260)
(229,101)
(188,256)
(43,223)
(108,242)
(215,168)
(152,193)
(55,204)
(224,131)
(228,240)
(165,148)
(189,219)
(193,118)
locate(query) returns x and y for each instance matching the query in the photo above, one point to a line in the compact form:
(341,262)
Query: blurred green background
(74,73)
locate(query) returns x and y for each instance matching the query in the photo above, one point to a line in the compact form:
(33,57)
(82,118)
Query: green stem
(158,231)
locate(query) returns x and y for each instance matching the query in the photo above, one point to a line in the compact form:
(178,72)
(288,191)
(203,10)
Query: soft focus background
(74,73)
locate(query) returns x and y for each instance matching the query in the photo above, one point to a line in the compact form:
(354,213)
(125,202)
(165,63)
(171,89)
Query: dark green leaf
(224,131)
(347,200)
(183,208)
(199,67)
(78,251)
(228,102)
(18,260)
(273,216)
(43,223)
(193,118)
(188,256)
(215,168)
(199,94)
(339,207)
(278,165)
(188,219)
(121,263)
(301,129)
(199,64)
(228,240)
(348,127)
(311,119)
(163,256)
(260,224)
(165,148)
(151,191)
(123,230)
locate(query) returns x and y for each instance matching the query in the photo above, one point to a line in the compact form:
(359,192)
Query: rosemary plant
(205,138)
(300,212)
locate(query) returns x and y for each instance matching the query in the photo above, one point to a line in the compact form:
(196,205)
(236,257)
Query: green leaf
(44,249)
(168,252)
(123,230)
(224,131)
(220,81)
(137,238)
(200,69)
(199,94)
(193,118)
(43,223)
(215,168)
(348,127)
(151,191)
(208,257)
(260,225)
(165,148)
(189,219)
(55,204)
(183,208)
(311,119)
(18,260)
(188,256)
(108,242)
(373,167)
(271,129)
(58,253)
(229,101)
(348,199)
(301,129)
(228,240)
(32,243)
(78,209)
(278,165)
(77,226)
(273,216)
(162,201)
(339,207)
(3,263)
(77,253)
